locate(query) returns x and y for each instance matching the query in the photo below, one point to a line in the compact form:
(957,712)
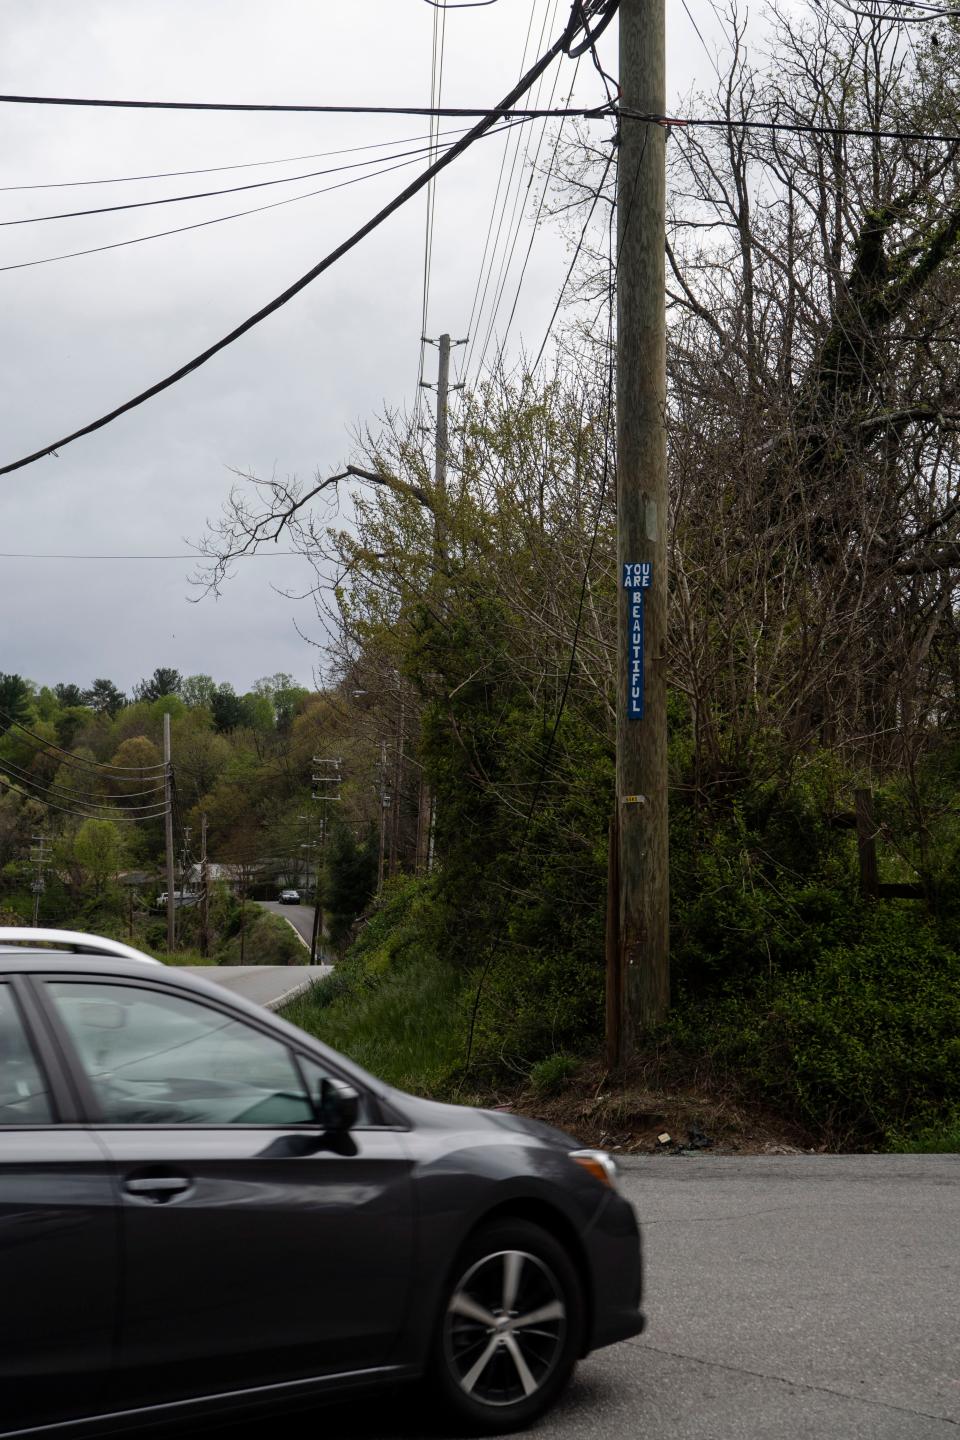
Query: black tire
(489,1369)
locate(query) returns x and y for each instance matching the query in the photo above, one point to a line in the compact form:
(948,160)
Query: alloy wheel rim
(505,1328)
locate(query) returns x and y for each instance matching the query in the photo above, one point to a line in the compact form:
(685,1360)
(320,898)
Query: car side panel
(59,1265)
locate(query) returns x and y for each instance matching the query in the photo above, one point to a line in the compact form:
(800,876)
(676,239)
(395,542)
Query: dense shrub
(863,1043)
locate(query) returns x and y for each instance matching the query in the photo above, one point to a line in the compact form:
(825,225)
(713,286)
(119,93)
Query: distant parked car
(289,897)
(203,1208)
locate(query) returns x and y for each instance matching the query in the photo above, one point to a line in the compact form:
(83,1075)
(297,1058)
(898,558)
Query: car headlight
(599,1164)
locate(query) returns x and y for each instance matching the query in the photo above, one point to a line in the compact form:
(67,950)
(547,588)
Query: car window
(23,1093)
(158,1059)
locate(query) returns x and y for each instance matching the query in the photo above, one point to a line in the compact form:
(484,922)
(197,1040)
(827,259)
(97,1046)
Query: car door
(257,1249)
(59,1234)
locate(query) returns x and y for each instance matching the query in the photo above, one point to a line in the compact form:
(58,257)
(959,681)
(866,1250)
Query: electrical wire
(215,220)
(139,770)
(452,112)
(792,127)
(218,169)
(560,46)
(436,95)
(90,811)
(490,256)
(213,194)
(516,214)
(82,798)
(534,230)
(50,805)
(474,312)
(247,554)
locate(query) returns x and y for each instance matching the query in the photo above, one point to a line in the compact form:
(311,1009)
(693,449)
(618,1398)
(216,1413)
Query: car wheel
(510,1327)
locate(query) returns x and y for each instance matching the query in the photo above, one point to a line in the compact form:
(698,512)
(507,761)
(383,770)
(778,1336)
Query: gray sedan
(203,1209)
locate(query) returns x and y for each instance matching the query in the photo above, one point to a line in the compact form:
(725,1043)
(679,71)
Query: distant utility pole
(640,957)
(425,807)
(326,775)
(38,857)
(384,799)
(168,828)
(204,888)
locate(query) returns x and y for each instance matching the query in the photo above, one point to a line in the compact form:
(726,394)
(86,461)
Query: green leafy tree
(198,691)
(228,709)
(69,695)
(15,697)
(98,848)
(163,681)
(105,698)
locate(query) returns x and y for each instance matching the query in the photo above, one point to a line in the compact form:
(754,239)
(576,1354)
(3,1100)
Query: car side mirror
(339,1106)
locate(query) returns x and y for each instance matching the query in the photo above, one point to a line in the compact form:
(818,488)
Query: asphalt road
(269,985)
(300,916)
(789,1298)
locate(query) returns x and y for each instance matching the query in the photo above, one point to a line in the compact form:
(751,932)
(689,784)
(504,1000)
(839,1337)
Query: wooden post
(168,829)
(204,889)
(642,505)
(614,976)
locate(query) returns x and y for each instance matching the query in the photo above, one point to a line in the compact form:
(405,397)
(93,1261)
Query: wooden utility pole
(425,806)
(168,826)
(443,410)
(643,973)
(204,888)
(328,779)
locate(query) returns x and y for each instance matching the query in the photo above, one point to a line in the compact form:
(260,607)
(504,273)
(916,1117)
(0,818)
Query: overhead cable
(214,220)
(138,770)
(51,805)
(217,169)
(80,797)
(804,127)
(560,46)
(504,111)
(212,194)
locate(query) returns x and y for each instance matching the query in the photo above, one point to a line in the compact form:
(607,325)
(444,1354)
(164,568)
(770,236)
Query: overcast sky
(82,335)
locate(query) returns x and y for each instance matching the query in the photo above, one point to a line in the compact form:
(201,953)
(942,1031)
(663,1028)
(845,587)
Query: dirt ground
(630,1115)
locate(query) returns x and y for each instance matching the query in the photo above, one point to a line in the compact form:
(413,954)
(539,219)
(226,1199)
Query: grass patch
(940,1139)
(401,1025)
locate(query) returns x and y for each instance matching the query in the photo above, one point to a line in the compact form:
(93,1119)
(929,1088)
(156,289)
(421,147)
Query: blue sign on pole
(636,579)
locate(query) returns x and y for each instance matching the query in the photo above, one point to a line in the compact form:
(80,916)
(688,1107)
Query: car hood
(433,1113)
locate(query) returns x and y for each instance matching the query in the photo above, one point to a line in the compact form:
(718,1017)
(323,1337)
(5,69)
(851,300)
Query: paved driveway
(790,1298)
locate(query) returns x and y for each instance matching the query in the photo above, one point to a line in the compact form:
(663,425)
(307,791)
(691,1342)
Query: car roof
(13,937)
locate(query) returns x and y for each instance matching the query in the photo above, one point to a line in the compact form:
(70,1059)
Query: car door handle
(159,1188)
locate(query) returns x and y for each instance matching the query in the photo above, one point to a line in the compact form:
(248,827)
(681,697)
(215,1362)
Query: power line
(24,776)
(560,46)
(213,194)
(516,219)
(26,555)
(50,805)
(91,810)
(217,169)
(486,270)
(452,112)
(215,220)
(79,759)
(793,127)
